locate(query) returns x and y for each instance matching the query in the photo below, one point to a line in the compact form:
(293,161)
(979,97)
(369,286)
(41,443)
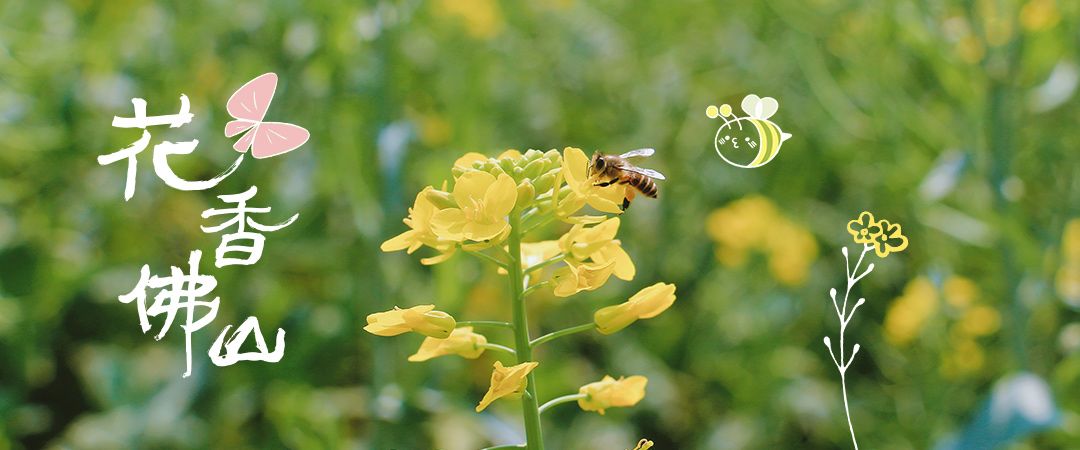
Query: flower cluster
(886,237)
(1068,275)
(487,211)
(755,224)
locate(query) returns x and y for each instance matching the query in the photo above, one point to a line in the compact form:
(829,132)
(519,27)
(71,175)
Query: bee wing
(750,103)
(643,171)
(641,152)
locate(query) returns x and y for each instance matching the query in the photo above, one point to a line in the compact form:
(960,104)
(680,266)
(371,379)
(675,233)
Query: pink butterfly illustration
(248,106)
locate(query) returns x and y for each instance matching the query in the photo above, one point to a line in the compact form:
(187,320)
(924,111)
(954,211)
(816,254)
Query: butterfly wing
(235,127)
(251,101)
(241,145)
(274,138)
(641,152)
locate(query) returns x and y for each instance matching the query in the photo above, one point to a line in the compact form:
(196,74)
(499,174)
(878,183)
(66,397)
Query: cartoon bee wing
(641,152)
(760,108)
(647,172)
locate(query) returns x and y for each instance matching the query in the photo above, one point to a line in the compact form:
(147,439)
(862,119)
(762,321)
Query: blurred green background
(956,119)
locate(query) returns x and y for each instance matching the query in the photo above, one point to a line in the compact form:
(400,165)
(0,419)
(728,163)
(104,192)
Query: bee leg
(627,199)
(607,183)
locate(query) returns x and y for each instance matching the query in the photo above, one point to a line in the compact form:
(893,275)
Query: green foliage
(956,119)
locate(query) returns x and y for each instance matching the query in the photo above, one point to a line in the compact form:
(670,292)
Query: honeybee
(616,169)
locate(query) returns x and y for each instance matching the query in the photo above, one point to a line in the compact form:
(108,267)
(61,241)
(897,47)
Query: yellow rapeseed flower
(462,342)
(645,304)
(909,313)
(644,444)
(581,276)
(420,232)
(598,243)
(583,189)
(1068,275)
(506,381)
(754,223)
(980,320)
(483,203)
(612,393)
(422,319)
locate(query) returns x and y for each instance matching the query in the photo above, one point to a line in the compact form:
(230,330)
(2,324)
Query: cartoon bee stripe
(769,135)
(770,141)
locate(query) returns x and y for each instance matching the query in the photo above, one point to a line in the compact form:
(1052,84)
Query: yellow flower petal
(470,187)
(422,319)
(449,224)
(500,197)
(577,277)
(645,304)
(466,161)
(612,393)
(462,341)
(506,381)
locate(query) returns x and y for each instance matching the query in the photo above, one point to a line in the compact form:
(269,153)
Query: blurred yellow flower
(612,393)
(581,276)
(598,243)
(644,444)
(1068,275)
(792,249)
(420,233)
(1070,241)
(645,304)
(864,229)
(483,19)
(960,292)
(1039,15)
(483,203)
(980,320)
(583,189)
(754,223)
(506,381)
(422,319)
(964,358)
(890,240)
(462,342)
(909,313)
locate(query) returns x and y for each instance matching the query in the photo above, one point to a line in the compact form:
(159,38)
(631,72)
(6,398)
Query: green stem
(485,323)
(535,287)
(560,400)
(489,258)
(530,409)
(546,263)
(561,333)
(497,347)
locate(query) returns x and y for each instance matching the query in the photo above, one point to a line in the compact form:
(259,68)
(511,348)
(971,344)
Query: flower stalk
(884,238)
(558,334)
(530,409)
(560,400)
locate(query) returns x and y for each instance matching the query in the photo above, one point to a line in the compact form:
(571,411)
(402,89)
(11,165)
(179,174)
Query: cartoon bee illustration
(750,141)
(616,169)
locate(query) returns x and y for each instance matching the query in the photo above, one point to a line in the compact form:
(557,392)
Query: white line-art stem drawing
(764,136)
(884,238)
